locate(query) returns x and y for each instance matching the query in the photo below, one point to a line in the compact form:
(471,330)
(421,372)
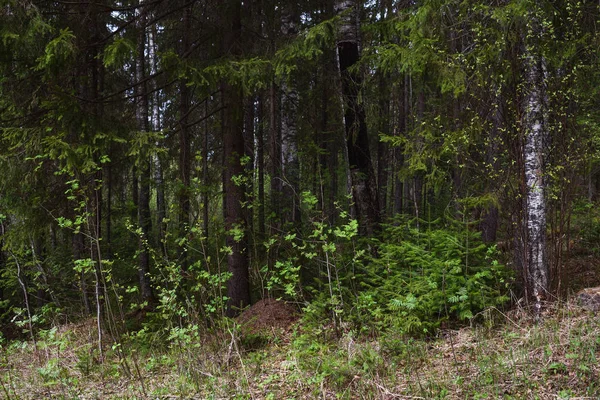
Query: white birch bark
(350,22)
(536,131)
(289,132)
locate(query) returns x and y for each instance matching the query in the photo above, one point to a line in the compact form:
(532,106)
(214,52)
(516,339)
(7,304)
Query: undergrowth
(511,358)
(416,315)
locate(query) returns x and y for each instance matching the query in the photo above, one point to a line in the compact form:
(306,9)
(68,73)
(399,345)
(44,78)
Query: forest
(299,199)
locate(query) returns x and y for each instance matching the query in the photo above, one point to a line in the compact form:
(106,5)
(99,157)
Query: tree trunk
(382,147)
(260,165)
(357,139)
(403,112)
(489,220)
(156,126)
(109,198)
(290,166)
(275,150)
(248,133)
(536,132)
(383,152)
(205,203)
(141,96)
(238,287)
(185,149)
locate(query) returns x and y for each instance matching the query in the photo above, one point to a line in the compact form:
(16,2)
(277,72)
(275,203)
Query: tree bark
(290,164)
(144,221)
(205,202)
(238,287)
(155,125)
(275,153)
(184,144)
(357,139)
(536,134)
(260,165)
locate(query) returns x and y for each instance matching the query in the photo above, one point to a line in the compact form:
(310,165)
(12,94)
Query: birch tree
(536,136)
(357,139)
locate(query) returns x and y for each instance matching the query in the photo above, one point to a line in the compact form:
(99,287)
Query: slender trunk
(78,253)
(275,150)
(205,171)
(144,221)
(260,166)
(383,156)
(108,215)
(489,220)
(382,147)
(184,145)
(403,112)
(327,183)
(249,150)
(417,189)
(155,125)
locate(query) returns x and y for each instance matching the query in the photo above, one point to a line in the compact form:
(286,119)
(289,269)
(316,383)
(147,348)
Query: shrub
(422,277)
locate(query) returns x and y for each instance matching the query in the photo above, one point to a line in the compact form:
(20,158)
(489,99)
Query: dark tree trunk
(155,125)
(260,165)
(108,183)
(327,174)
(290,166)
(144,221)
(78,254)
(489,219)
(383,163)
(383,152)
(357,139)
(403,110)
(248,132)
(275,150)
(185,149)
(238,287)
(205,181)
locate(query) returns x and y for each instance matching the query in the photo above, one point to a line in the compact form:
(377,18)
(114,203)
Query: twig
(398,396)
(26,296)
(237,350)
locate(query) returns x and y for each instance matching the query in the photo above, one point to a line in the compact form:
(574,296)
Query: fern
(422,277)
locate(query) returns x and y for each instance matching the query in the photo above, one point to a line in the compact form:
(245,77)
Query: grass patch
(514,359)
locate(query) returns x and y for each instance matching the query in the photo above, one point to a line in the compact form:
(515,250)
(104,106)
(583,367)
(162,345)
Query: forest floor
(275,355)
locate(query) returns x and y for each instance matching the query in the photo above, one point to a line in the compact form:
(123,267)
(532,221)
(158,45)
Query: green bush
(422,277)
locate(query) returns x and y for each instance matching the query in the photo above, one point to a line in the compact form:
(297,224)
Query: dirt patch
(266,315)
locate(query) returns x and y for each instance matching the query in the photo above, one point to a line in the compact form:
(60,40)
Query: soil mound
(266,315)
(590,299)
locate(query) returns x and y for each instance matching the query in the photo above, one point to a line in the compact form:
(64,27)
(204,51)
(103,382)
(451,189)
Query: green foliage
(117,53)
(422,277)
(322,251)
(307,47)
(58,51)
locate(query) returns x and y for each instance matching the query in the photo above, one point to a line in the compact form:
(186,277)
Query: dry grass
(515,358)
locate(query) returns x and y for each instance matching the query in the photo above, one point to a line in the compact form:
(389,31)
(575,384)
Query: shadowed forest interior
(365,167)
